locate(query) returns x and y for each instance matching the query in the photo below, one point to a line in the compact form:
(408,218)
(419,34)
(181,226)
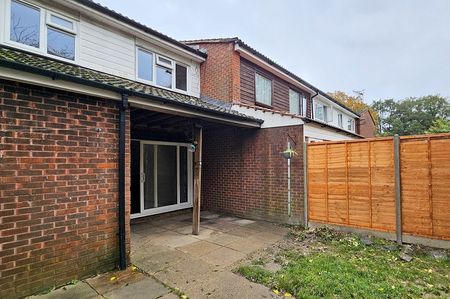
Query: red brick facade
(367,127)
(220,76)
(244,173)
(58,187)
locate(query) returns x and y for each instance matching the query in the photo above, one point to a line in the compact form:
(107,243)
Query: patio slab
(81,290)
(201,266)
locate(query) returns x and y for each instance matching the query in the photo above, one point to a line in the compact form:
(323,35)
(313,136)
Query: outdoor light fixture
(191,148)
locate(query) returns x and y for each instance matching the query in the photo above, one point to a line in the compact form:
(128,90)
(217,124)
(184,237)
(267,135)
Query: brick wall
(244,173)
(220,75)
(366,125)
(58,187)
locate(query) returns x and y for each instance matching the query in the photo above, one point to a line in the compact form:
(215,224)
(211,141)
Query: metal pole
(289,182)
(305,183)
(398,191)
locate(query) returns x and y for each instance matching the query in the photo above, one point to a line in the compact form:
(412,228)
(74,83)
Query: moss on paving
(342,266)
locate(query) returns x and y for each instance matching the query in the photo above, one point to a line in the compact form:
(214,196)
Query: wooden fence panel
(382,185)
(352,183)
(337,184)
(359,187)
(416,207)
(440,186)
(317,183)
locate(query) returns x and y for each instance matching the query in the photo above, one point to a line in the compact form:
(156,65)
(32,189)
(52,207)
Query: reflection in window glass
(61,22)
(24,24)
(61,44)
(145,65)
(163,77)
(181,77)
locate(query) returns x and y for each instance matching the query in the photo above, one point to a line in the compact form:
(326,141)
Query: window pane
(303,112)
(163,76)
(60,44)
(145,65)
(294,102)
(181,77)
(167,175)
(149,170)
(183,174)
(61,22)
(263,88)
(25,21)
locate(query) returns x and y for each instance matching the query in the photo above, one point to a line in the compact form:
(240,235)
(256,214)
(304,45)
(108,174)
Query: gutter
(58,76)
(312,104)
(123,106)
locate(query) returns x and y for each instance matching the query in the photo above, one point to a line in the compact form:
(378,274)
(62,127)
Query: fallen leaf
(113,278)
(134,268)
(184,297)
(287,294)
(276,292)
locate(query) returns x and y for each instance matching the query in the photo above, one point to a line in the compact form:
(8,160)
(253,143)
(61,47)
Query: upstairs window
(145,65)
(56,36)
(159,70)
(304,101)
(295,106)
(263,90)
(25,24)
(164,70)
(181,77)
(340,121)
(351,124)
(321,112)
(60,36)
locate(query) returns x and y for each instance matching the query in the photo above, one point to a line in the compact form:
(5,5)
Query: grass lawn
(323,263)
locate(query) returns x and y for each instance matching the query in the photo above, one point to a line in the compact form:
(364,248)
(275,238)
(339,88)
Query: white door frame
(190,186)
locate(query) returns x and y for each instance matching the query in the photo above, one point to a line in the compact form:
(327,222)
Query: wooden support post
(398,189)
(305,183)
(198,139)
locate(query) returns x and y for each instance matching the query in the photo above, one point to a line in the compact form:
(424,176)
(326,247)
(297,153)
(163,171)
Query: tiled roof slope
(238,41)
(45,66)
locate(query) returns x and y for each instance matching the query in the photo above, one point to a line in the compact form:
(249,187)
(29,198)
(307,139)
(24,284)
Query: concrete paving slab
(226,284)
(114,280)
(242,231)
(170,296)
(244,221)
(223,257)
(147,288)
(160,261)
(206,233)
(81,290)
(247,246)
(223,239)
(179,241)
(199,249)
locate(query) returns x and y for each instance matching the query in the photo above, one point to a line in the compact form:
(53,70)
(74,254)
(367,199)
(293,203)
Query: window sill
(263,105)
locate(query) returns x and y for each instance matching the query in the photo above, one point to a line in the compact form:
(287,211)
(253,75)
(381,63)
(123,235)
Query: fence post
(398,191)
(305,183)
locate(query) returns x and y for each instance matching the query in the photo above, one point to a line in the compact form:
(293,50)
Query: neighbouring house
(256,85)
(294,112)
(102,122)
(367,126)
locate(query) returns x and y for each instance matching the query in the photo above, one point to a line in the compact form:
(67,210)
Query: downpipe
(123,106)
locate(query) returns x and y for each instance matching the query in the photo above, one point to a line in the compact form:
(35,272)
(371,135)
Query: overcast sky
(389,48)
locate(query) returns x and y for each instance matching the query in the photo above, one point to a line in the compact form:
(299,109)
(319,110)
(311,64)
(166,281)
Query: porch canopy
(152,109)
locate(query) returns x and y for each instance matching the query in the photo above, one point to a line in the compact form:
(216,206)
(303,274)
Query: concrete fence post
(398,189)
(305,183)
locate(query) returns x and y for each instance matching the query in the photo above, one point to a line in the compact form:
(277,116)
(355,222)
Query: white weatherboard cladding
(271,119)
(333,112)
(103,50)
(314,132)
(101,46)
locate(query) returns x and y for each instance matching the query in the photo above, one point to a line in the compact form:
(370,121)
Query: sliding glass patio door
(166,177)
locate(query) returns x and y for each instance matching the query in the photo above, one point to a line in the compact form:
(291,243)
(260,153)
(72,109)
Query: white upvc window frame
(298,106)
(340,119)
(304,105)
(267,79)
(44,21)
(158,62)
(325,112)
(351,124)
